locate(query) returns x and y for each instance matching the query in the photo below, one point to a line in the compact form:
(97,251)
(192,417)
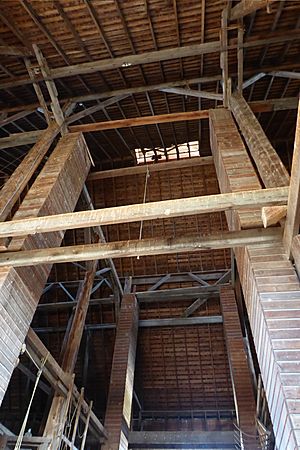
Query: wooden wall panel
(272,294)
(56,190)
(245,403)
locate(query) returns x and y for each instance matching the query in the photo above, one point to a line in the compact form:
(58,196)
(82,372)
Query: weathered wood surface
(156,167)
(144,247)
(270,167)
(58,379)
(153,210)
(271,215)
(120,395)
(20,290)
(296,252)
(245,7)
(272,294)
(233,165)
(139,121)
(245,404)
(58,410)
(18,180)
(292,223)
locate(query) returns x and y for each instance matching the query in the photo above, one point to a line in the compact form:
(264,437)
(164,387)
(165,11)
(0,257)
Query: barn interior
(149,233)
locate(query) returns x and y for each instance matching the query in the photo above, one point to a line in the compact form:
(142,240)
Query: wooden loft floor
(149,235)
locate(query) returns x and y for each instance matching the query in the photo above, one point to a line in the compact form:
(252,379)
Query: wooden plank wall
(119,404)
(56,190)
(272,294)
(245,404)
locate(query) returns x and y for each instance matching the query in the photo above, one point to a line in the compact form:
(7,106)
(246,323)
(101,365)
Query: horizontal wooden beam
(274,104)
(116,92)
(196,439)
(146,58)
(11,50)
(139,121)
(147,323)
(19,139)
(30,137)
(15,117)
(193,93)
(245,7)
(125,249)
(146,211)
(152,168)
(286,74)
(120,62)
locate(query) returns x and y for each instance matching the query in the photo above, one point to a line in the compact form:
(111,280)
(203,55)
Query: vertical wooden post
(292,223)
(239,370)
(240,57)
(56,417)
(119,403)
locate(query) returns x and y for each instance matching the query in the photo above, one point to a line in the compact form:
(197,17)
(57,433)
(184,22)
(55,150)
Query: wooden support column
(272,295)
(20,289)
(270,167)
(58,411)
(291,228)
(23,173)
(245,404)
(119,403)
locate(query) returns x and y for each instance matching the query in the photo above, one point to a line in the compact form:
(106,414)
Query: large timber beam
(292,223)
(30,137)
(245,7)
(190,439)
(245,404)
(139,121)
(145,247)
(11,50)
(148,57)
(119,403)
(146,211)
(23,173)
(151,168)
(270,167)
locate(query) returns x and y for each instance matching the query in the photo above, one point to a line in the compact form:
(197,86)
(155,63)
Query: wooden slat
(65,171)
(147,211)
(119,403)
(245,404)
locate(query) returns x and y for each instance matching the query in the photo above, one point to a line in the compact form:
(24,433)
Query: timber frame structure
(149,232)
